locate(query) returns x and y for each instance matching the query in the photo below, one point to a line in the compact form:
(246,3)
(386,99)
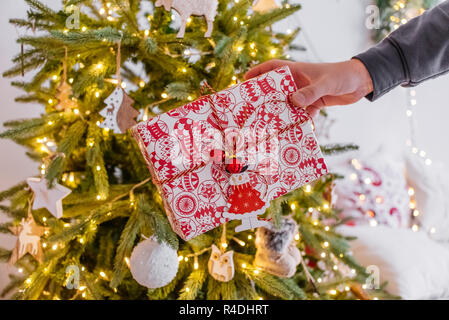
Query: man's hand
(323,84)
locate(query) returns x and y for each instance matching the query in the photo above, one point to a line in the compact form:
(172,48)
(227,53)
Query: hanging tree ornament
(186,8)
(221,264)
(153,264)
(277,253)
(65,90)
(119,114)
(48,198)
(265,5)
(28,238)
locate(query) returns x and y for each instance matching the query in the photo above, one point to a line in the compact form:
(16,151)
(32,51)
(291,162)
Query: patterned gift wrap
(253,120)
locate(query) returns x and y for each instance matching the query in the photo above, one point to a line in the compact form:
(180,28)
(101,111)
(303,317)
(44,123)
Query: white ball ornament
(153,264)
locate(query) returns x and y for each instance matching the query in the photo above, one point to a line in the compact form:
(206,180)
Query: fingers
(307,95)
(265,67)
(313,111)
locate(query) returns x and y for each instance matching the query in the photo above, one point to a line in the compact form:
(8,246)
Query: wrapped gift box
(253,122)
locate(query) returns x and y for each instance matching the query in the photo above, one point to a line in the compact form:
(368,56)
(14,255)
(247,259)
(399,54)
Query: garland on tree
(393,13)
(113,204)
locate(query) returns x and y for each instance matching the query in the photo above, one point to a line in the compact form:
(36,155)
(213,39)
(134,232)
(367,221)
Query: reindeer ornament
(28,240)
(186,8)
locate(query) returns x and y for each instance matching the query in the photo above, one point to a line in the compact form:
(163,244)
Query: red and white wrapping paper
(249,119)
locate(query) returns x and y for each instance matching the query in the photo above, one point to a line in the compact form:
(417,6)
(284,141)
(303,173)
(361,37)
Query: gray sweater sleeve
(415,52)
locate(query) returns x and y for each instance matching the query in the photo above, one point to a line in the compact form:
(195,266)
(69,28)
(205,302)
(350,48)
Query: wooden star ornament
(28,240)
(48,198)
(119,114)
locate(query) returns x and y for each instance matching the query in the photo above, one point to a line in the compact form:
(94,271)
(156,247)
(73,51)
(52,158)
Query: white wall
(336,30)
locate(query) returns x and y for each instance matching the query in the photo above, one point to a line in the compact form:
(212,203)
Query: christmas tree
(94,199)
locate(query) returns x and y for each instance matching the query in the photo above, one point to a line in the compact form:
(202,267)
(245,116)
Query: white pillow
(415,266)
(373,191)
(431,184)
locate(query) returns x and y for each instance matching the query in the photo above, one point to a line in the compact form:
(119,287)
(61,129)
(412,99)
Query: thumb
(309,94)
